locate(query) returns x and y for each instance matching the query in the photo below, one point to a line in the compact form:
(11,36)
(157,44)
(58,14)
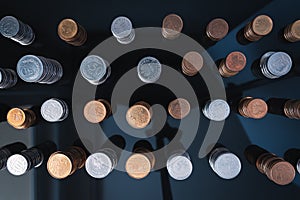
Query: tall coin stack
(8,78)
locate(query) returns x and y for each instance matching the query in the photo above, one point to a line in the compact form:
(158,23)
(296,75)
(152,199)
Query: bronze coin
(138,166)
(282,173)
(95,111)
(138,116)
(172,26)
(292,32)
(67,29)
(59,165)
(217,29)
(262,25)
(179,108)
(16,117)
(235,61)
(192,63)
(257,108)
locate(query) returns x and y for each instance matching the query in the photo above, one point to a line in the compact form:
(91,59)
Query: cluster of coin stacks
(224,163)
(192,63)
(261,26)
(122,30)
(216,110)
(72,32)
(94,69)
(21,118)
(139,115)
(232,64)
(255,108)
(292,109)
(179,108)
(179,166)
(96,111)
(292,32)
(37,69)
(275,168)
(8,150)
(54,110)
(20,163)
(141,162)
(62,164)
(217,29)
(149,69)
(275,64)
(16,30)
(293,157)
(8,78)
(172,26)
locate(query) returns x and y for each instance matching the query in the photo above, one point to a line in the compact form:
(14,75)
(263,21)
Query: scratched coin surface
(59,165)
(30,68)
(138,116)
(149,69)
(93,68)
(138,166)
(95,111)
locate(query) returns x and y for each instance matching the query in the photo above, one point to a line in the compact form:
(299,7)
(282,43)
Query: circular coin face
(138,166)
(279,64)
(282,173)
(172,24)
(94,111)
(59,166)
(67,29)
(217,29)
(138,116)
(9,26)
(16,117)
(30,68)
(217,110)
(149,70)
(17,165)
(179,167)
(262,25)
(52,110)
(257,108)
(121,27)
(295,29)
(227,166)
(98,165)
(93,68)
(179,108)
(192,62)
(236,61)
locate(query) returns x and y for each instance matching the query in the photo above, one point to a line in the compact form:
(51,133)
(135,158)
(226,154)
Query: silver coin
(98,165)
(298,166)
(30,68)
(121,27)
(227,165)
(52,110)
(217,110)
(179,167)
(149,69)
(17,165)
(93,68)
(9,26)
(279,64)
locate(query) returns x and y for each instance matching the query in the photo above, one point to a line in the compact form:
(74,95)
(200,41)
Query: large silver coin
(149,69)
(9,26)
(93,68)
(30,68)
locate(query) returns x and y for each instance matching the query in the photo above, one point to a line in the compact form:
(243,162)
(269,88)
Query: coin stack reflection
(275,168)
(149,69)
(16,30)
(21,118)
(8,150)
(261,26)
(96,111)
(292,109)
(72,32)
(179,166)
(94,69)
(172,26)
(250,107)
(37,69)
(62,164)
(216,110)
(192,63)
(122,30)
(179,108)
(292,32)
(139,115)
(232,64)
(54,110)
(217,29)
(8,78)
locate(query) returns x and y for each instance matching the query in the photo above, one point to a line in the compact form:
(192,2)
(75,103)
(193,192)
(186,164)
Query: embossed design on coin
(149,69)
(216,110)
(179,108)
(172,26)
(122,30)
(98,165)
(59,165)
(192,63)
(217,29)
(54,110)
(138,116)
(179,167)
(17,165)
(95,111)
(138,166)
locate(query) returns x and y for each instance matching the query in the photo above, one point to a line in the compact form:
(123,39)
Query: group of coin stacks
(94,69)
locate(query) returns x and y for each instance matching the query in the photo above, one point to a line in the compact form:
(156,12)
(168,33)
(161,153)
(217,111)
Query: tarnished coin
(93,68)
(179,167)
(9,26)
(149,69)
(282,173)
(138,116)
(30,68)
(253,108)
(98,165)
(59,165)
(17,165)
(179,108)
(138,166)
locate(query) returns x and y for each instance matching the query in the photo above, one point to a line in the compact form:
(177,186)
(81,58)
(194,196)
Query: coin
(121,27)
(292,32)
(138,116)
(95,111)
(235,61)
(253,108)
(93,68)
(67,29)
(216,110)
(149,69)
(262,25)
(217,29)
(227,165)
(172,26)
(179,108)
(279,64)
(282,173)
(179,167)
(98,165)
(30,68)
(16,117)
(59,165)
(138,166)
(17,165)
(52,110)
(192,63)
(9,26)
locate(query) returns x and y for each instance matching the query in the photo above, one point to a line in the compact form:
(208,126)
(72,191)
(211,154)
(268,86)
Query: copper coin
(282,173)
(67,29)
(59,165)
(235,61)
(257,108)
(95,111)
(179,108)
(217,29)
(16,117)
(192,63)
(138,116)
(292,32)
(262,25)
(172,26)
(138,166)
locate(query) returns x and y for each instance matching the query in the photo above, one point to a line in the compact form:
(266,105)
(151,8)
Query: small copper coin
(262,25)
(179,108)
(59,165)
(172,26)
(292,32)
(253,108)
(282,173)
(138,116)
(217,29)
(138,166)
(235,61)
(95,111)
(16,117)
(67,29)
(192,63)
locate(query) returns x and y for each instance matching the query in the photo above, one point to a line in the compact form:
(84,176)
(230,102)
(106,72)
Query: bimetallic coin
(179,108)
(138,116)
(149,69)
(179,167)
(216,110)
(59,165)
(98,165)
(121,27)
(279,64)
(17,165)
(9,26)
(138,166)
(93,68)
(54,110)
(30,68)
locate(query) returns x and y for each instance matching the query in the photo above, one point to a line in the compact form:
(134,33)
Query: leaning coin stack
(122,30)
(54,110)
(72,32)
(172,26)
(261,26)
(232,64)
(21,118)
(37,69)
(253,108)
(192,63)
(8,78)
(292,109)
(16,30)
(292,32)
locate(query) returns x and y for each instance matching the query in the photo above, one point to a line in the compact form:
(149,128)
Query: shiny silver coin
(179,167)
(121,27)
(149,69)
(30,68)
(17,165)
(98,165)
(54,110)
(9,26)
(216,110)
(279,64)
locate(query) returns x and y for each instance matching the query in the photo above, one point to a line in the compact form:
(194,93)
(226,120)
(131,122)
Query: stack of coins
(139,115)
(63,164)
(232,64)
(275,64)
(250,107)
(172,26)
(16,30)
(8,78)
(54,110)
(21,118)
(179,166)
(94,69)
(216,110)
(192,63)
(292,109)
(217,29)
(149,70)
(8,150)
(292,32)
(179,108)
(96,111)
(122,30)
(101,163)
(224,163)
(37,69)
(71,32)
(261,26)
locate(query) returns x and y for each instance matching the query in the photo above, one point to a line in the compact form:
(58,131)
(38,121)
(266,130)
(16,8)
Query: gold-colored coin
(67,29)
(95,111)
(138,116)
(262,25)
(138,166)
(16,117)
(59,165)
